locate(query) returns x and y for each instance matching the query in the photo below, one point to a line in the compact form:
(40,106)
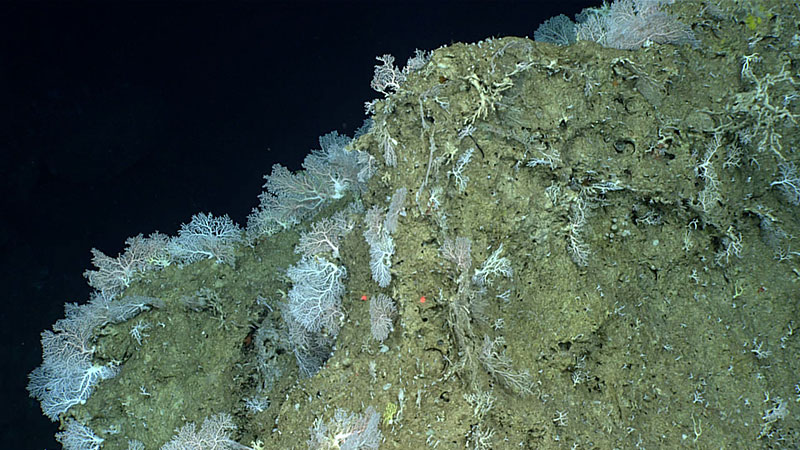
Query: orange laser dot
(422,299)
(364,297)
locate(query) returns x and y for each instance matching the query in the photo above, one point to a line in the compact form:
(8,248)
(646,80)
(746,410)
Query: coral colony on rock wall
(586,240)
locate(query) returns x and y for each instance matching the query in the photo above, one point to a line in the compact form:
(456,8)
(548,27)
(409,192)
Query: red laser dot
(422,299)
(364,297)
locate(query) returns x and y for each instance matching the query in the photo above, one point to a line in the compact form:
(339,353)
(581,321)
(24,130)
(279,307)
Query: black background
(126,118)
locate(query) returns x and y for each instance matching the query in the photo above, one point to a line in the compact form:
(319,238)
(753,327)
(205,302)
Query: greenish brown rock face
(595,250)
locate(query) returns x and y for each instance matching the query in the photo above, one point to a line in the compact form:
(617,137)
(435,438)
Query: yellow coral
(752,22)
(388,413)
